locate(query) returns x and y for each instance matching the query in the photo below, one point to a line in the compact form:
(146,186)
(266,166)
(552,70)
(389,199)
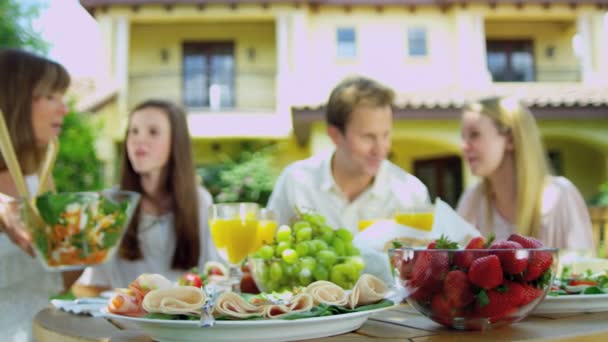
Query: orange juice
(422,221)
(265,235)
(234,238)
(219,239)
(364,224)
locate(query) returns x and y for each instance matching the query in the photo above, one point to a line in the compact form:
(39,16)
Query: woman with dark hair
(169,233)
(31,100)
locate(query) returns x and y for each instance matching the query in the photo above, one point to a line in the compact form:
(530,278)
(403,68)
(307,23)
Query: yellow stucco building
(249,69)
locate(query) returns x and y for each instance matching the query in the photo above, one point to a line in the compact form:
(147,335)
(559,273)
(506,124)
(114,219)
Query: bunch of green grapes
(308,251)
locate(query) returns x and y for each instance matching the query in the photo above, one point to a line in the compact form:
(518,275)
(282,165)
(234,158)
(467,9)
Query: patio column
(471,65)
(114,32)
(593,47)
(301,66)
(105,25)
(283,78)
(599,29)
(121,63)
(585,47)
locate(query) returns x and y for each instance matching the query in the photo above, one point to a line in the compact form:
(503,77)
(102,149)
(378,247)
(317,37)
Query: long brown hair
(180,182)
(24,77)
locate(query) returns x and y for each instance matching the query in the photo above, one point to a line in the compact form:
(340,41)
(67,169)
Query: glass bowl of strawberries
(485,285)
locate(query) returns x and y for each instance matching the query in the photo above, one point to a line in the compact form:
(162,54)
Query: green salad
(80,227)
(586,283)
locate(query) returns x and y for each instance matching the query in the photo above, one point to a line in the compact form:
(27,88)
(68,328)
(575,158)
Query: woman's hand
(11,224)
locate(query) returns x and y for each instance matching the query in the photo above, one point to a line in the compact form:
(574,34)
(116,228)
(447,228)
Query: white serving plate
(254,330)
(573,304)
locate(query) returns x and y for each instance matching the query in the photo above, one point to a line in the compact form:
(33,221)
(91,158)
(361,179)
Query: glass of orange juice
(267,226)
(365,223)
(234,228)
(418,217)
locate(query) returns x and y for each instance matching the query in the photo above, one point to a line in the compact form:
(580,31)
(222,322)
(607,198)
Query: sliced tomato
(577,282)
(215,268)
(191,279)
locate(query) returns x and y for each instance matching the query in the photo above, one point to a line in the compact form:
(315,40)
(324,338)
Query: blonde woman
(502,146)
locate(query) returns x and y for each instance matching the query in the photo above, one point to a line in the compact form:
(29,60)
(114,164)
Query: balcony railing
(540,74)
(558,74)
(239,90)
(543,74)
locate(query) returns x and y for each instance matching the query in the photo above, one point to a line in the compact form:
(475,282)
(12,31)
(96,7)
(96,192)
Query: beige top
(565,218)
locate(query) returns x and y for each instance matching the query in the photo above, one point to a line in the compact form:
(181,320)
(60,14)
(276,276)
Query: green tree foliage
(77,167)
(249,178)
(601,199)
(16,29)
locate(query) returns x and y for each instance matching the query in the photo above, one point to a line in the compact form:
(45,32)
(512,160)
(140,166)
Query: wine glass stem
(234,277)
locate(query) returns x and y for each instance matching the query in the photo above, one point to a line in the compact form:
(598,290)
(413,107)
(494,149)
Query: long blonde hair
(513,118)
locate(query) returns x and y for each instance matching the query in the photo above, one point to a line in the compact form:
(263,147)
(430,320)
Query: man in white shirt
(354,182)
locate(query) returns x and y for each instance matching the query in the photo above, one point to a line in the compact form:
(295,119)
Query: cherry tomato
(191,279)
(576,282)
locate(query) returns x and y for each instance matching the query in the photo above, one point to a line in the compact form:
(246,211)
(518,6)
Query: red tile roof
(96,3)
(533,94)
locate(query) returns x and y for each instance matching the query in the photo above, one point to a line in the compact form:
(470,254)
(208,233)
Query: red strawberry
(479,242)
(421,294)
(442,243)
(525,241)
(514,290)
(457,289)
(512,262)
(442,311)
(427,274)
(486,272)
(495,305)
(530,293)
(538,263)
(248,284)
(429,269)
(463,259)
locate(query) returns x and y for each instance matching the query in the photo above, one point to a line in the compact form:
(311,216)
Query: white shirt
(309,184)
(157,242)
(25,286)
(565,221)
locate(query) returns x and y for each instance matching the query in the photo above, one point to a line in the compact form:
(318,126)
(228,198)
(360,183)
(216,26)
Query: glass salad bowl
(72,230)
(474,289)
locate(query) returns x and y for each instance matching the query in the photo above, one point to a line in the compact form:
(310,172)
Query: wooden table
(399,324)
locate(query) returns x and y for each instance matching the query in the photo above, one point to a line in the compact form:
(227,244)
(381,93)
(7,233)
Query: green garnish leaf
(482,298)
(397,244)
(158,315)
(593,290)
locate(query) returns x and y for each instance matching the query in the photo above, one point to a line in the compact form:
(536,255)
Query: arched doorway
(437,163)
